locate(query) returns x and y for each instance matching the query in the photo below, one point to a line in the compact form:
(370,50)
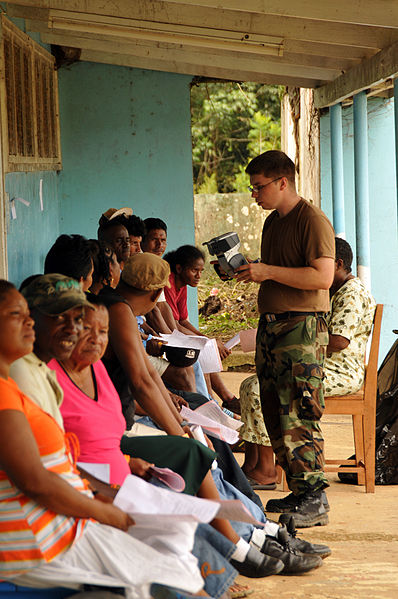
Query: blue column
(396,131)
(336,144)
(361,188)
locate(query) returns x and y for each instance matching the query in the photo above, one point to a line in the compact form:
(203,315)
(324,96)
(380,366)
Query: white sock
(258,537)
(241,551)
(271,528)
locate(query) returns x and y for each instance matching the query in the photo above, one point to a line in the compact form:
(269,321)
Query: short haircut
(273,163)
(5,288)
(135,226)
(154,223)
(70,256)
(185,256)
(106,225)
(344,253)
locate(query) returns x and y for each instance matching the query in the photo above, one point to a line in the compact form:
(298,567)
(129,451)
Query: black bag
(386,471)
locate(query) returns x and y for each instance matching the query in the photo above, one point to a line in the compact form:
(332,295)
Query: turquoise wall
(125,142)
(30,235)
(383,203)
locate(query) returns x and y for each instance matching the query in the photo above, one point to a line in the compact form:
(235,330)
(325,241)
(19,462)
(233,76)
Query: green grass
(239,307)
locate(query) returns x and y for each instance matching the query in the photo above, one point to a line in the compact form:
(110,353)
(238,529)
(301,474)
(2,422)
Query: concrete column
(336,144)
(396,131)
(361,188)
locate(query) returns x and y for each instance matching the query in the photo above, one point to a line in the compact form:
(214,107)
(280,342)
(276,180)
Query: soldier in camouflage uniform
(295,273)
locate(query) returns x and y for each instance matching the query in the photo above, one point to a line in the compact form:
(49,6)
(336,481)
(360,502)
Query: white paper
(214,428)
(41,194)
(100,471)
(248,339)
(209,357)
(178,339)
(212,410)
(143,501)
(233,341)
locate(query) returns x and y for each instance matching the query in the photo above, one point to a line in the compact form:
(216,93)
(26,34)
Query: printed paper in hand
(142,501)
(214,428)
(233,341)
(212,410)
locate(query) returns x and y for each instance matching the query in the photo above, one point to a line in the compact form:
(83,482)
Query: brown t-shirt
(295,240)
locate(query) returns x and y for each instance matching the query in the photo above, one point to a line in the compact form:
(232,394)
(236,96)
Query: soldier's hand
(255,271)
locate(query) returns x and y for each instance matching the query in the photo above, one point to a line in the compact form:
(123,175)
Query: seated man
(112,232)
(349,324)
(136,228)
(59,317)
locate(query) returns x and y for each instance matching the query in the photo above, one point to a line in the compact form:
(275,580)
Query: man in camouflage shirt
(349,323)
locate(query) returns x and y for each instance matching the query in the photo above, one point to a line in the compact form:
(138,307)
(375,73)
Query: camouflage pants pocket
(309,392)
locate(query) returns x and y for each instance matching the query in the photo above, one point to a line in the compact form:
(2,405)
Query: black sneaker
(257,565)
(310,511)
(299,544)
(288,503)
(294,561)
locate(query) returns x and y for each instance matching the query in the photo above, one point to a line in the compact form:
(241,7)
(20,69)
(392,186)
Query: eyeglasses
(258,188)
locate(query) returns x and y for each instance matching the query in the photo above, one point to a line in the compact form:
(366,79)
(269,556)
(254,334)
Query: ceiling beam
(187,69)
(229,20)
(370,72)
(259,67)
(382,13)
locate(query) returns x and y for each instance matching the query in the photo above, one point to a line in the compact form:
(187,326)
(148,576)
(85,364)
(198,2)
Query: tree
(231,123)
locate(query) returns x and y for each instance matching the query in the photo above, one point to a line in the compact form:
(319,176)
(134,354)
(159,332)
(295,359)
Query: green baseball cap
(55,294)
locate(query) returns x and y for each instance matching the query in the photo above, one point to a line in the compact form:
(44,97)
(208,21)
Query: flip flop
(256,486)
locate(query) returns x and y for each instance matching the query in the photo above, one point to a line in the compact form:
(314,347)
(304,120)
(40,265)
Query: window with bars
(29,103)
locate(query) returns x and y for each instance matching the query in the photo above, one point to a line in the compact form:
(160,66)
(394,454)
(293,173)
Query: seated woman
(91,409)
(186,265)
(51,528)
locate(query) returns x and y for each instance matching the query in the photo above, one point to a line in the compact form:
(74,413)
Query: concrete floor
(362,533)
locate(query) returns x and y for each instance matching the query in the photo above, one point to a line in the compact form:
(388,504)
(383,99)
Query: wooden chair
(362,407)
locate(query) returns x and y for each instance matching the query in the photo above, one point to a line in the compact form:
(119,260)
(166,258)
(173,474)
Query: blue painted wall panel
(383,211)
(126,142)
(31,234)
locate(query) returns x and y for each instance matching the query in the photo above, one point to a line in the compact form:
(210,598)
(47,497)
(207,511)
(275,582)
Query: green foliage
(231,123)
(239,307)
(209,184)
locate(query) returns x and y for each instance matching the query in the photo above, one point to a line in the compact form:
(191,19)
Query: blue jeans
(228,491)
(200,381)
(213,552)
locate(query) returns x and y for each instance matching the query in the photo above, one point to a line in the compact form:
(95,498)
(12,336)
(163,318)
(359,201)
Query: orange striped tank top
(30,534)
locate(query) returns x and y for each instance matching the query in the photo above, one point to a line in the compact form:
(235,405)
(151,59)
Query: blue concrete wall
(383,210)
(125,142)
(31,234)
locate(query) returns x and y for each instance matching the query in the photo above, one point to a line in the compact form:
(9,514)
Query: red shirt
(177,300)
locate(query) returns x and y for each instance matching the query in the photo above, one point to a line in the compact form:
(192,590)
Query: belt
(288,315)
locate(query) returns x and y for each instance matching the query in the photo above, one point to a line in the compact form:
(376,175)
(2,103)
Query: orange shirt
(31,534)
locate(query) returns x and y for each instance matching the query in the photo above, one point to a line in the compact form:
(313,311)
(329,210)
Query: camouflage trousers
(289,363)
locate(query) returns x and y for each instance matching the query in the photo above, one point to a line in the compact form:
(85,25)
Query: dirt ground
(362,533)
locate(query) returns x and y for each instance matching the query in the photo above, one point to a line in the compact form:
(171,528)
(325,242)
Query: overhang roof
(338,47)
